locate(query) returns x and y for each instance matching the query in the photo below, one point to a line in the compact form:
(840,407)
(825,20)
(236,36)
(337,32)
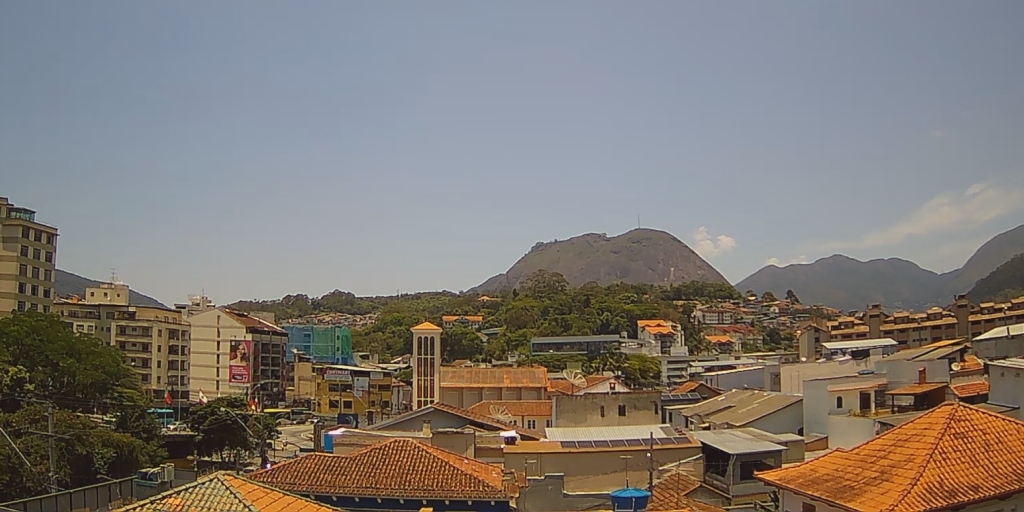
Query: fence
(99,497)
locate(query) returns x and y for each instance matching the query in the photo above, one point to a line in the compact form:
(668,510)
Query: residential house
(224,492)
(153,340)
(695,386)
(747,377)
(809,341)
(463,387)
(236,353)
(714,315)
(1006,384)
(666,336)
(775,413)
(731,459)
(678,491)
(738,333)
(954,457)
(399,474)
(532,414)
(1000,342)
(28,260)
(470,321)
(444,416)
(606,409)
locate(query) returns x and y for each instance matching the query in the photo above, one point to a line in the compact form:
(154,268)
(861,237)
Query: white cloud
(946,212)
(708,247)
(778,263)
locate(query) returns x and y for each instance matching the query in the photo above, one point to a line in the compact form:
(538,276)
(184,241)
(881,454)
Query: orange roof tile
(669,494)
(917,389)
(222,492)
(513,407)
(656,329)
(971,363)
(469,318)
(718,339)
(948,457)
(251,322)
(687,387)
(651,323)
(522,377)
(399,468)
(426,326)
(969,389)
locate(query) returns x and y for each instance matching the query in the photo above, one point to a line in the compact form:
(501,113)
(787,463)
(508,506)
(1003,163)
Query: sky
(255,149)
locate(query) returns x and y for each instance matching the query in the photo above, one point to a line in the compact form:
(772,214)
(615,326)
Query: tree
(458,342)
(773,337)
(768,297)
(225,429)
(790,296)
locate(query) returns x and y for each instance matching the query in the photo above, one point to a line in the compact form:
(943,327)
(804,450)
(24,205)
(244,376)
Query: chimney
(922,376)
(426,428)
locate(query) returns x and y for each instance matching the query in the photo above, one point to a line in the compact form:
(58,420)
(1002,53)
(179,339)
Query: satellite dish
(955,367)
(500,413)
(575,377)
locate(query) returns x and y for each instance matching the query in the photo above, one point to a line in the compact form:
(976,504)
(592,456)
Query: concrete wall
(904,373)
(1000,348)
(849,431)
(1006,387)
(794,375)
(466,397)
(643,408)
(785,421)
(596,471)
(743,378)
(547,494)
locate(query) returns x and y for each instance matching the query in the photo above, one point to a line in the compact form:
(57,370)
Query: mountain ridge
(640,255)
(848,283)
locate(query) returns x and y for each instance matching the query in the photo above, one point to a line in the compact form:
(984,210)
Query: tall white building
(426,365)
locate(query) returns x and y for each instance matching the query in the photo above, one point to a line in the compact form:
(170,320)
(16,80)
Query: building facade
(155,341)
(330,344)
(426,364)
(356,395)
(234,353)
(28,257)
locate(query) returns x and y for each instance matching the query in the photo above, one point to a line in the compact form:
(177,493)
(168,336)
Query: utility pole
(53,452)
(650,466)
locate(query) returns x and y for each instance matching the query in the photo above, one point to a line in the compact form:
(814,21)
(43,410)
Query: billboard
(238,361)
(337,374)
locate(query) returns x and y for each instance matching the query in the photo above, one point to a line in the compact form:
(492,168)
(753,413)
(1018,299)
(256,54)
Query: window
(346,405)
(839,402)
(145,378)
(21,305)
(35,290)
(158,377)
(172,364)
(24,251)
(90,328)
(46,309)
(656,408)
(807,507)
(122,346)
(611,386)
(21,288)
(35,272)
(46,293)
(26,232)
(145,363)
(602,411)
(23,270)
(34,307)
(38,236)
(49,239)
(158,363)
(332,403)
(49,256)
(622,409)
(547,423)
(36,254)
(159,348)
(333,388)
(531,424)
(384,404)
(48,276)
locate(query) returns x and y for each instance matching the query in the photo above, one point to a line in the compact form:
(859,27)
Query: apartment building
(28,256)
(914,329)
(236,353)
(155,341)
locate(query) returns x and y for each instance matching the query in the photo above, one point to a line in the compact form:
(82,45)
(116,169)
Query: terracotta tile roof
(251,322)
(718,338)
(971,363)
(523,377)
(223,492)
(969,389)
(917,389)
(426,326)
(687,387)
(514,407)
(669,494)
(656,329)
(399,468)
(948,457)
(469,318)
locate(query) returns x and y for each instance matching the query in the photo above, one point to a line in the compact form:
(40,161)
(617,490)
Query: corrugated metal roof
(740,406)
(859,344)
(1009,363)
(735,442)
(1002,332)
(608,433)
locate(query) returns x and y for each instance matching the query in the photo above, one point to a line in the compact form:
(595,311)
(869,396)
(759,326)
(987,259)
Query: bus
(163,416)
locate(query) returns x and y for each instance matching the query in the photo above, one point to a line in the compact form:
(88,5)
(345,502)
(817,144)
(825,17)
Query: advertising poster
(336,374)
(238,361)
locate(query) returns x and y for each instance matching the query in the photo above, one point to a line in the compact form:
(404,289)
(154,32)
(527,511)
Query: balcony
(135,335)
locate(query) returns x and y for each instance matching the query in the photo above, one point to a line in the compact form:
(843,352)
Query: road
(292,438)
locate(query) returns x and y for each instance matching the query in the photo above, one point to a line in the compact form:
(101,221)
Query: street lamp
(625,460)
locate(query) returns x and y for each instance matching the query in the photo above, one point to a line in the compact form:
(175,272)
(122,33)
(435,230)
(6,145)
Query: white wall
(744,378)
(786,421)
(794,375)
(1006,387)
(904,373)
(819,403)
(849,431)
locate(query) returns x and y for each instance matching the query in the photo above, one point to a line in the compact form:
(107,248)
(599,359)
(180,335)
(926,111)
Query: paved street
(292,438)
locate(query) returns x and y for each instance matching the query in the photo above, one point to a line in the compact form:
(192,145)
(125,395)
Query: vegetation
(46,367)
(1004,283)
(224,428)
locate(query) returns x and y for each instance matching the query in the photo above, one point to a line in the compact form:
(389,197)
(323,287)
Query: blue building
(331,344)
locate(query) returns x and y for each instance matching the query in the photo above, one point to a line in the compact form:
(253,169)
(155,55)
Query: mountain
(846,283)
(1004,283)
(67,283)
(637,256)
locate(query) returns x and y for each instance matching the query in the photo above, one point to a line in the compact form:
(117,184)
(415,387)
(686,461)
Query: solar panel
(568,444)
(584,444)
(619,443)
(634,442)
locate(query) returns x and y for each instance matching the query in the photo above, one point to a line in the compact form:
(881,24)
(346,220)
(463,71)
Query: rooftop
(399,468)
(568,388)
(609,433)
(736,441)
(859,344)
(739,407)
(1013,362)
(222,492)
(933,462)
(917,389)
(690,386)
(1002,332)
(569,339)
(251,322)
(471,418)
(513,407)
(970,389)
(522,377)
(426,326)
(669,494)
(937,350)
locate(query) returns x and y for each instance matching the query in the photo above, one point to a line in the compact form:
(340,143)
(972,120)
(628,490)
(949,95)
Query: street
(292,438)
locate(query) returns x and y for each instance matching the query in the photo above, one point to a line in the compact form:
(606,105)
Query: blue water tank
(630,499)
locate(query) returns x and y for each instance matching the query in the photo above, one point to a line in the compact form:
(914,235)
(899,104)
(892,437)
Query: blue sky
(254,149)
